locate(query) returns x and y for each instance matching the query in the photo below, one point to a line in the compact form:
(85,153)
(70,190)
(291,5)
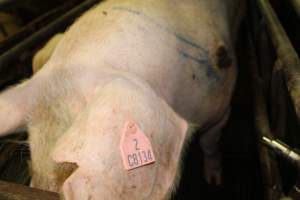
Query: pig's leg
(14,106)
(209,142)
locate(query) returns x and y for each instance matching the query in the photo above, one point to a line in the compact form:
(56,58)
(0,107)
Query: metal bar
(283,150)
(44,34)
(271,178)
(296,5)
(11,191)
(6,3)
(289,154)
(270,172)
(278,118)
(285,52)
(34,26)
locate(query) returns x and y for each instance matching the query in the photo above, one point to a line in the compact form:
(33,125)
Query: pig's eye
(64,170)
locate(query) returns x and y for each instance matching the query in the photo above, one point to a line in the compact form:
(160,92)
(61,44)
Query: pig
(161,66)
(44,54)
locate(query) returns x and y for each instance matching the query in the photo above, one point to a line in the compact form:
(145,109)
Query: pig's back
(172,46)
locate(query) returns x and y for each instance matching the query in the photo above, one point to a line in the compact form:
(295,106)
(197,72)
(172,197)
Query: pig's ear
(14,108)
(183,125)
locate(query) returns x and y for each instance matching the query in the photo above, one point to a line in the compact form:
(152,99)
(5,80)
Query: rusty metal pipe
(285,52)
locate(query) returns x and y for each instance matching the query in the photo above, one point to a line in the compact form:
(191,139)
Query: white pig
(44,54)
(159,64)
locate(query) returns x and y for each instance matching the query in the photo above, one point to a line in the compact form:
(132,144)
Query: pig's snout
(76,187)
(64,171)
(72,185)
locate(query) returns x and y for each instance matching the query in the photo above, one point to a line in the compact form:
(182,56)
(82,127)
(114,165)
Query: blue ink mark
(127,9)
(193,44)
(198,60)
(169,30)
(210,72)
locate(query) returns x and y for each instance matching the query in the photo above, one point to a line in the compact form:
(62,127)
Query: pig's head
(93,144)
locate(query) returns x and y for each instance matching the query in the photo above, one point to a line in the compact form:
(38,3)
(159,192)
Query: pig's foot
(209,142)
(213,168)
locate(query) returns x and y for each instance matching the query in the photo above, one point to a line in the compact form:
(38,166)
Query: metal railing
(287,65)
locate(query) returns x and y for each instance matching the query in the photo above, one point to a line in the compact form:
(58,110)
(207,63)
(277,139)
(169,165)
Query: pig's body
(160,44)
(44,54)
(124,61)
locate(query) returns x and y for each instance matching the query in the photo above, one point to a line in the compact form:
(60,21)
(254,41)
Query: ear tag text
(136,149)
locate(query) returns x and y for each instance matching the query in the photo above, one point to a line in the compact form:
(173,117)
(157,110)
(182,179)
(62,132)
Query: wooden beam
(11,191)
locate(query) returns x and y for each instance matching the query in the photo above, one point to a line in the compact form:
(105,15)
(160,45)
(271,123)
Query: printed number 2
(136,144)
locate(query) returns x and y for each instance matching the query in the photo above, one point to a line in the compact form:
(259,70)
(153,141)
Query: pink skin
(127,60)
(129,102)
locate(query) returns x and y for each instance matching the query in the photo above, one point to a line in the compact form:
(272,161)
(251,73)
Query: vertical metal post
(285,52)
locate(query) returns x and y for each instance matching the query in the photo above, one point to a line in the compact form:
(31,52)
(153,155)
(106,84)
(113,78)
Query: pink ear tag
(136,149)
